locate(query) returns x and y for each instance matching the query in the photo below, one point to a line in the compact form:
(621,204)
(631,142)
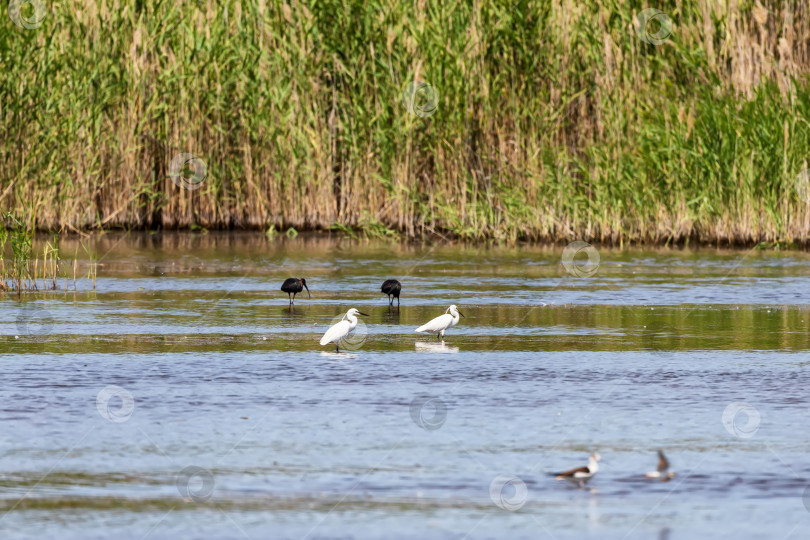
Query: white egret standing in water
(341,329)
(442,322)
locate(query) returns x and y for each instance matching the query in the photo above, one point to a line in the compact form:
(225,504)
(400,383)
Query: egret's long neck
(455,318)
(352,320)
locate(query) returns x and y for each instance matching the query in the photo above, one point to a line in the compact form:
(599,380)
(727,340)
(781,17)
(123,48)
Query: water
(205,365)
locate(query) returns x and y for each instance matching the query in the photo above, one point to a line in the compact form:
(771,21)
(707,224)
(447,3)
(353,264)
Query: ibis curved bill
(341,329)
(293,286)
(442,322)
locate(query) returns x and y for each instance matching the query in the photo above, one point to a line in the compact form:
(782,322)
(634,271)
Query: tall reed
(553,120)
(20,269)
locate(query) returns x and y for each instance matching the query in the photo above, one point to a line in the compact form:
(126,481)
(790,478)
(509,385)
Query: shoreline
(447,239)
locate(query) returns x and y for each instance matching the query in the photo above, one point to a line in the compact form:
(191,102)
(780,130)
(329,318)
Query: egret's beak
(307,288)
(361,313)
(460,313)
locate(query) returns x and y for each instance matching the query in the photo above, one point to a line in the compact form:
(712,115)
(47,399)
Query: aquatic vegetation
(519,120)
(21,269)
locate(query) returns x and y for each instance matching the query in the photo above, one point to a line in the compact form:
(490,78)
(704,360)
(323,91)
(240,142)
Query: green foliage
(552,120)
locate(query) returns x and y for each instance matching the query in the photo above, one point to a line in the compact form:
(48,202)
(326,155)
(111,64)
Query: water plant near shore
(520,120)
(23,271)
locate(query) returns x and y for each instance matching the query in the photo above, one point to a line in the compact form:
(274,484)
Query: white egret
(442,322)
(341,329)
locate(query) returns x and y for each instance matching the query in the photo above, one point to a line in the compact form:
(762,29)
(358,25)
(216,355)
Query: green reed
(21,269)
(553,120)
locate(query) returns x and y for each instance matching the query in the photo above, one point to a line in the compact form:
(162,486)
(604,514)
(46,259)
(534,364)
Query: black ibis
(293,286)
(391,287)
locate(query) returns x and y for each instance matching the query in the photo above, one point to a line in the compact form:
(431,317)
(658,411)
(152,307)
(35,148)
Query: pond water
(183,396)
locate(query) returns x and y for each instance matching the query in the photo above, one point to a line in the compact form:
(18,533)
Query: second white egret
(341,329)
(442,322)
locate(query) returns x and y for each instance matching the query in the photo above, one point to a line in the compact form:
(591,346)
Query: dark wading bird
(293,286)
(392,287)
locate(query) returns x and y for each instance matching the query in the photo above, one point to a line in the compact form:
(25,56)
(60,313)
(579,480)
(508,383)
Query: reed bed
(543,120)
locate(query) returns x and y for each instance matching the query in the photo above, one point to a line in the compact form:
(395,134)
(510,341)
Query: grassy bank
(550,120)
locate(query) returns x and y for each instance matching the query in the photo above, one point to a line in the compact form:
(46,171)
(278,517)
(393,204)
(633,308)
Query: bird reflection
(437,347)
(338,356)
(290,312)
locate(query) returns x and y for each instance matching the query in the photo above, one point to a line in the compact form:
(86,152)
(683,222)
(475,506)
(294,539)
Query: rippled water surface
(183,396)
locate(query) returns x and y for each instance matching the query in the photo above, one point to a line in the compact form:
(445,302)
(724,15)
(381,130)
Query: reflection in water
(290,312)
(339,356)
(436,347)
